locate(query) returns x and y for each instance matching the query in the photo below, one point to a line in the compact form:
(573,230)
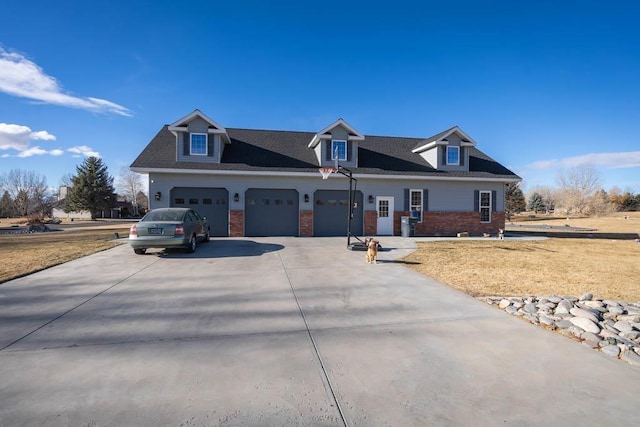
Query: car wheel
(192,244)
(140,251)
(206,236)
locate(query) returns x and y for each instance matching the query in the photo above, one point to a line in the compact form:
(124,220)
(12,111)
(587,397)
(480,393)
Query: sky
(542,87)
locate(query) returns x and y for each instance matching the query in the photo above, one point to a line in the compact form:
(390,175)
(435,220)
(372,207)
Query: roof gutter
(315,174)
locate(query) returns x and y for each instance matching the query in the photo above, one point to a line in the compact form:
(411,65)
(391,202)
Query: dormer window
(338,150)
(198,144)
(453,156)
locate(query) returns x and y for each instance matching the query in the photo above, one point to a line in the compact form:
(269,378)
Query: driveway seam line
(315,346)
(73,308)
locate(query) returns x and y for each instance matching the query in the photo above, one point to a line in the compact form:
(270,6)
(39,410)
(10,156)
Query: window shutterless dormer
(447,150)
(199,139)
(338,141)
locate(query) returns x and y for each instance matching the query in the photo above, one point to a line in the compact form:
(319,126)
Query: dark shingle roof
(286,151)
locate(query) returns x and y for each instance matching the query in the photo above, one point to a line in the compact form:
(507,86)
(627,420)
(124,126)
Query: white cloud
(620,160)
(23,78)
(33,151)
(17,137)
(43,135)
(83,150)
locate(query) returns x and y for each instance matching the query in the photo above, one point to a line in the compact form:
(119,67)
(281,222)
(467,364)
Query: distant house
(266,182)
(115,212)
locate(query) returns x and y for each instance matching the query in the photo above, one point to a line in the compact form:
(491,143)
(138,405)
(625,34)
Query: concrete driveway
(285,331)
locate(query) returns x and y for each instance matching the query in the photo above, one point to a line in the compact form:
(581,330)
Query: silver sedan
(169,228)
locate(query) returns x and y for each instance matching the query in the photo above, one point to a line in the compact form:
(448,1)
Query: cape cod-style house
(266,183)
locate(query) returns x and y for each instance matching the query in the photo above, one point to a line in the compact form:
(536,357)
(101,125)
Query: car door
(195,224)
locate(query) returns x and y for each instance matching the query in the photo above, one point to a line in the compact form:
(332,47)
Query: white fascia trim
(317,138)
(222,133)
(470,141)
(197,113)
(340,122)
(429,146)
(309,174)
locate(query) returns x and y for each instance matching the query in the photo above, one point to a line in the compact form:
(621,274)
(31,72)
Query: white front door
(384,206)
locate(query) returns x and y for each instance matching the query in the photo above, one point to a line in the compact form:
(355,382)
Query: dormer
(338,140)
(447,151)
(199,139)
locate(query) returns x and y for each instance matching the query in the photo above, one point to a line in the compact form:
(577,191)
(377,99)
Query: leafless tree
(577,188)
(129,184)
(28,190)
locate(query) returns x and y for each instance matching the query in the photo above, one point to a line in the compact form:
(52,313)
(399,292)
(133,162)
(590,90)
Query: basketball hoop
(326,172)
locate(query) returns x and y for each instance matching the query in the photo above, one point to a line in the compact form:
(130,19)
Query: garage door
(330,209)
(210,202)
(270,212)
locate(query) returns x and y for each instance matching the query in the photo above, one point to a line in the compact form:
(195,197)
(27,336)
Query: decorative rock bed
(612,327)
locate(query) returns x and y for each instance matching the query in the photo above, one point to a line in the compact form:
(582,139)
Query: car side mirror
(204,217)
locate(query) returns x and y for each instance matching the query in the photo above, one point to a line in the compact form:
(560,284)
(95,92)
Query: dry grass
(27,253)
(563,266)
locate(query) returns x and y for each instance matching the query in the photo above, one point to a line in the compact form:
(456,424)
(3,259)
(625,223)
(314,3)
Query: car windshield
(163,216)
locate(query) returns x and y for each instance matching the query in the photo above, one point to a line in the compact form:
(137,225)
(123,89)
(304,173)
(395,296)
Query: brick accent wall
(236,223)
(370,223)
(451,223)
(306,223)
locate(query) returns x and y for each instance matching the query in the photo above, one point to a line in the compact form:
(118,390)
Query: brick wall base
(306,223)
(451,223)
(236,223)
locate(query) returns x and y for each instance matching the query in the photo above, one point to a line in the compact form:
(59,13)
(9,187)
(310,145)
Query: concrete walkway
(285,331)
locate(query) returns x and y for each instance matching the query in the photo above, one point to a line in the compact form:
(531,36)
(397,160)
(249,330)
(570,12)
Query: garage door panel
(330,213)
(210,202)
(271,212)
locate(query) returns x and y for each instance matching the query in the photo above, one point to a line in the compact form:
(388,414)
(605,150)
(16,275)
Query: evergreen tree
(513,200)
(536,203)
(7,207)
(92,188)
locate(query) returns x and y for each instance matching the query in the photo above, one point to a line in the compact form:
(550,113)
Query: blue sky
(541,86)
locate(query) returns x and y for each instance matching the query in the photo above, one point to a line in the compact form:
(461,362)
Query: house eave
(147,171)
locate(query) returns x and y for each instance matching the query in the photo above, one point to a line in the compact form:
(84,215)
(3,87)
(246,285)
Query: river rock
(563,324)
(630,335)
(611,350)
(544,320)
(586,297)
(616,310)
(576,331)
(579,312)
(531,308)
(586,324)
(504,303)
(590,336)
(594,304)
(623,326)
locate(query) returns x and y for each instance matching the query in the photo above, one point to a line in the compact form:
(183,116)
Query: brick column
(306,223)
(236,223)
(370,223)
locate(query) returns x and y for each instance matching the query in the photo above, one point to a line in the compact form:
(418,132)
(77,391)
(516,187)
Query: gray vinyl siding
(183,143)
(454,141)
(442,196)
(340,134)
